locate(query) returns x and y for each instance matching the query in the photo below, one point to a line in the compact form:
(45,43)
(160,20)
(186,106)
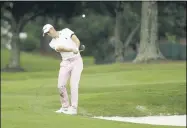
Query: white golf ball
(83,15)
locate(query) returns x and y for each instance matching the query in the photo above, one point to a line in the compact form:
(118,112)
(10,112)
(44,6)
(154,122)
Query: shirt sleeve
(55,45)
(69,32)
(51,44)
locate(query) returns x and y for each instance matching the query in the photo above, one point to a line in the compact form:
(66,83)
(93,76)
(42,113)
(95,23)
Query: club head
(82,48)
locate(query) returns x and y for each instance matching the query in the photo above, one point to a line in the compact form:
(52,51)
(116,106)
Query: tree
(148,49)
(118,44)
(172,18)
(18,14)
(126,24)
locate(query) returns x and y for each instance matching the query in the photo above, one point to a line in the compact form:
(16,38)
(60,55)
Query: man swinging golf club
(67,44)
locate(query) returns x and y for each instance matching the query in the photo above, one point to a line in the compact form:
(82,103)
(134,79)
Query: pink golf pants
(71,68)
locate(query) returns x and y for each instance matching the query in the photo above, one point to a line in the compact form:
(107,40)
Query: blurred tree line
(112,31)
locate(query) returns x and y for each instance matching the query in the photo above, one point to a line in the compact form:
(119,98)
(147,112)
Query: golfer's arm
(62,49)
(76,40)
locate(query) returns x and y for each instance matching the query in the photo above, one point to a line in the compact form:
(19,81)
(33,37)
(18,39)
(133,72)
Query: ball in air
(83,15)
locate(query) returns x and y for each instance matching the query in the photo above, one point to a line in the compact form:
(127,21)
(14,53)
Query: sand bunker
(176,120)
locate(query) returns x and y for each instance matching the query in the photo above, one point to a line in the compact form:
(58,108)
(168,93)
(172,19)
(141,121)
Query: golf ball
(83,15)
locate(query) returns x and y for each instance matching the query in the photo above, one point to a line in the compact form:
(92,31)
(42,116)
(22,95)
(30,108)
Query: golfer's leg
(74,81)
(63,77)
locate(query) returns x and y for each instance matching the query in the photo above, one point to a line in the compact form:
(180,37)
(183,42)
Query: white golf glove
(76,50)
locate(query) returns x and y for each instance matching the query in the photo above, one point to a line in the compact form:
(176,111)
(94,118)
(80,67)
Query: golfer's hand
(75,51)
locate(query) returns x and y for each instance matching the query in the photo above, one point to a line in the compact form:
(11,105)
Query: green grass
(34,62)
(29,99)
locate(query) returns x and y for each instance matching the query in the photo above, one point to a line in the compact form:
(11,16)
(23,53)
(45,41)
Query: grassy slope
(30,99)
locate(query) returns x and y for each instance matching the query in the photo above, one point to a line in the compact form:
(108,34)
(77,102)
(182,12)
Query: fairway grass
(29,99)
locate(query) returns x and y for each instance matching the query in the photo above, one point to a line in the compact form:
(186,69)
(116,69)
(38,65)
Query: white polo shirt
(64,40)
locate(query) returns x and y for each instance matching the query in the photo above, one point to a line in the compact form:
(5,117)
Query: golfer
(67,44)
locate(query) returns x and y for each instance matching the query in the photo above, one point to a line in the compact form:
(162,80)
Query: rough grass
(29,99)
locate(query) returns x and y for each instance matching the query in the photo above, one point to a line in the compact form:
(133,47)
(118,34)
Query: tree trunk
(130,36)
(14,61)
(117,42)
(129,39)
(148,49)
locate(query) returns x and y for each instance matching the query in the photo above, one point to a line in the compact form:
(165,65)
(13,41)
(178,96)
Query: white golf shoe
(61,110)
(70,111)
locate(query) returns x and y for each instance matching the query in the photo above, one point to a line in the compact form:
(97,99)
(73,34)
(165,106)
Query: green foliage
(30,44)
(171,38)
(172,18)
(92,30)
(33,40)
(96,29)
(129,19)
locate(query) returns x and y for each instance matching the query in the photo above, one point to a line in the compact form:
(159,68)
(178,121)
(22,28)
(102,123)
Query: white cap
(46,28)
